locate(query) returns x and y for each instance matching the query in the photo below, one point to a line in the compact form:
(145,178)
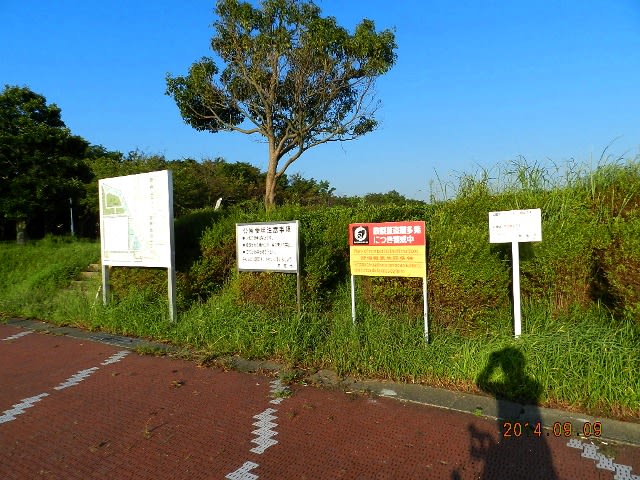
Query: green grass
(32,276)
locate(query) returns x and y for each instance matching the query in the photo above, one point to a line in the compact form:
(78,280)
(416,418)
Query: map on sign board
(267,246)
(388,249)
(515,226)
(136,220)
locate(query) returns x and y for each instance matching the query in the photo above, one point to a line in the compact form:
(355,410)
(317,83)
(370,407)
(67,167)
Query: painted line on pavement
(76,378)
(243,473)
(590,451)
(26,403)
(19,408)
(17,336)
(264,433)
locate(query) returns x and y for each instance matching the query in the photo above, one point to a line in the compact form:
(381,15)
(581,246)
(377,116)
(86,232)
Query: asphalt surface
(79,405)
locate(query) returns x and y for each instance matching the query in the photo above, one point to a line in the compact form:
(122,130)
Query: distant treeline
(196,184)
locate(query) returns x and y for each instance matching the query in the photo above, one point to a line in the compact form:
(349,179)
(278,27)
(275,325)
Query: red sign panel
(390,234)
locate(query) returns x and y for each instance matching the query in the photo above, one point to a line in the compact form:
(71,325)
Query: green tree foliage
(288,74)
(302,191)
(41,163)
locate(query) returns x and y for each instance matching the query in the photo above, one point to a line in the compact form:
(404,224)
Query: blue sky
(476,84)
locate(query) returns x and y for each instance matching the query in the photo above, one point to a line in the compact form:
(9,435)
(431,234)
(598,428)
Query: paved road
(78,409)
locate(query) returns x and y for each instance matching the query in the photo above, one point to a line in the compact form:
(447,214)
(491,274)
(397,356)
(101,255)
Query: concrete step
(89,274)
(79,285)
(94,267)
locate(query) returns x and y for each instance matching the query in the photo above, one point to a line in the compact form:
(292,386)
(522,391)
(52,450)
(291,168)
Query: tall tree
(288,74)
(41,163)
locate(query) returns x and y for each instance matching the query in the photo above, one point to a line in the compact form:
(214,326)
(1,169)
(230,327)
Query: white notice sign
(515,226)
(267,246)
(136,220)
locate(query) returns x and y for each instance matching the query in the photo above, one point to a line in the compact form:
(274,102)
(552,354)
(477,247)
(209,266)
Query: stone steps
(85,280)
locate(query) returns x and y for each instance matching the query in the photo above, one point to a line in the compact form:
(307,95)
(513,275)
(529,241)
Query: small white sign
(515,226)
(267,246)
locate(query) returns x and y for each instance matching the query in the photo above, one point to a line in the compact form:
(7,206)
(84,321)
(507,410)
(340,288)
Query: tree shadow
(521,449)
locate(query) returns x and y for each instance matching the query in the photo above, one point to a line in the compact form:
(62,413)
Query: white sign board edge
(515,226)
(263,245)
(136,220)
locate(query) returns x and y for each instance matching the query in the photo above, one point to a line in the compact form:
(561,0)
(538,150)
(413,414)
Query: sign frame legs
(105,284)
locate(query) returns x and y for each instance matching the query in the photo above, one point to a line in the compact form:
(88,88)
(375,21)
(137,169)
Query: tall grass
(32,276)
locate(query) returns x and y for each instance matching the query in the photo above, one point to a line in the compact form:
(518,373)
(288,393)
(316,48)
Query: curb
(487,407)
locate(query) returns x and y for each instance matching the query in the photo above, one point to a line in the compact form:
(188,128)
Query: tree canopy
(41,163)
(287,74)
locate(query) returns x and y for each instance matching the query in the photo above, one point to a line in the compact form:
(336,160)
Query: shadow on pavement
(519,447)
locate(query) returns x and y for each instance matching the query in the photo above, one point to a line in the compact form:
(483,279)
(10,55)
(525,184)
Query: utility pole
(73,233)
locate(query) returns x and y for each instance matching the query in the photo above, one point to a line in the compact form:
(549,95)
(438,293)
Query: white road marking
(243,472)
(264,433)
(116,357)
(19,408)
(17,336)
(75,379)
(590,451)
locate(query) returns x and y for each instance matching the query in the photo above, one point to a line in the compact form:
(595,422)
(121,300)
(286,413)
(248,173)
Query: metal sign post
(517,318)
(515,226)
(425,309)
(353,299)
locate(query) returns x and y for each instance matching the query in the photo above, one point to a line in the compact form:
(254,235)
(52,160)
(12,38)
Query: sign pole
(171,285)
(353,299)
(105,284)
(425,309)
(171,270)
(298,281)
(298,290)
(73,231)
(517,321)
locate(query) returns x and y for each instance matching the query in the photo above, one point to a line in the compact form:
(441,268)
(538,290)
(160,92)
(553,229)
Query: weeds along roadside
(579,288)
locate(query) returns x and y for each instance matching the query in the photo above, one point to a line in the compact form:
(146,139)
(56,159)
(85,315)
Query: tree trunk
(21,231)
(271,180)
(270,191)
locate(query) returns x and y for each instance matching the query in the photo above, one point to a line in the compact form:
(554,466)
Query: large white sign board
(136,220)
(514,226)
(267,246)
(136,225)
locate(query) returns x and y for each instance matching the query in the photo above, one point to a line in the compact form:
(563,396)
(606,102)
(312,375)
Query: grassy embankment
(580,288)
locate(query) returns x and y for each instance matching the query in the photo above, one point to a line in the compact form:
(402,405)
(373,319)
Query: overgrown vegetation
(580,290)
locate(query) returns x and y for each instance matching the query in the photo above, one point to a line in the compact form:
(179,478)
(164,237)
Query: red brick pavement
(160,418)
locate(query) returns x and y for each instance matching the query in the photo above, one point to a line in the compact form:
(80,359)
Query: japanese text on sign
(515,226)
(388,249)
(136,219)
(267,246)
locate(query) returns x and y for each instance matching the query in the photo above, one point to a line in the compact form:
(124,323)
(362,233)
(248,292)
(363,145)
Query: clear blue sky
(476,83)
